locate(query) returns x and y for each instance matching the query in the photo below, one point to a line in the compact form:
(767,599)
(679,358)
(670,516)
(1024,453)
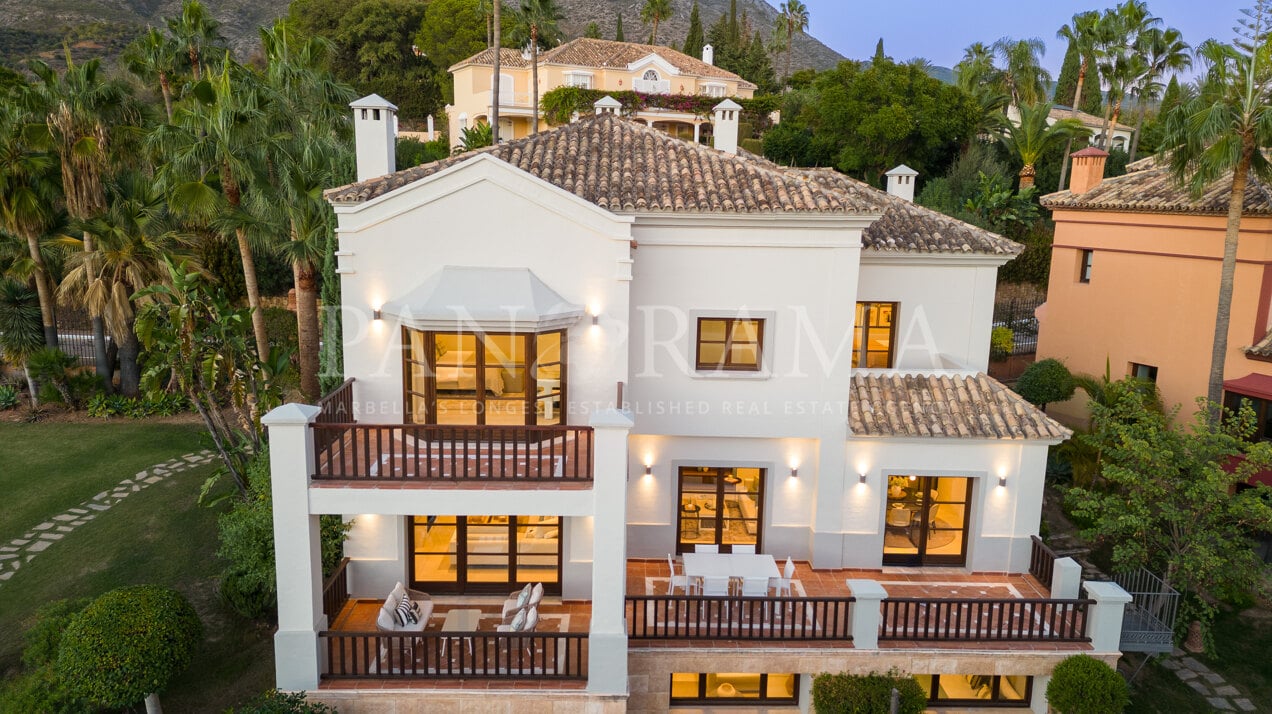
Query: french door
(485,554)
(926,520)
(719,506)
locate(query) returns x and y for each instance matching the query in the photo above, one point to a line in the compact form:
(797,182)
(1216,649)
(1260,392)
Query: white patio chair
(756,587)
(715,586)
(677,581)
(748,549)
(703,548)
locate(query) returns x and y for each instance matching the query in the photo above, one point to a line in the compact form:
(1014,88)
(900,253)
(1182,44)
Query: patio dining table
(733,565)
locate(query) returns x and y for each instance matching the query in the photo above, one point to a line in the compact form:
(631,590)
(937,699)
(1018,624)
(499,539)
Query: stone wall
(425,700)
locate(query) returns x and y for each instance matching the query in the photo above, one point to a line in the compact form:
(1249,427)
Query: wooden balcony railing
(337,407)
(430,655)
(666,617)
(412,452)
(335,591)
(1042,561)
(973,620)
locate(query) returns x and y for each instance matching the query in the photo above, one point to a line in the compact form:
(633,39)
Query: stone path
(1222,696)
(20,551)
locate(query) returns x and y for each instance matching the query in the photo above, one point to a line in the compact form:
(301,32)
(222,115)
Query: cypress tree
(1170,99)
(694,40)
(593,31)
(618,29)
(879,56)
(1067,83)
(1092,97)
(735,31)
(759,68)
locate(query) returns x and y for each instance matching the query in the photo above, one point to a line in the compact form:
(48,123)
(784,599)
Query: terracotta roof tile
(944,406)
(907,227)
(1150,188)
(606,54)
(1088,120)
(1262,348)
(623,166)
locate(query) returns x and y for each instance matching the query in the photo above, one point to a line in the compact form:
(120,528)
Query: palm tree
(133,237)
(311,106)
(1222,134)
(196,31)
(655,11)
(82,115)
(792,21)
(1083,32)
(20,334)
(497,34)
(1165,51)
(1033,136)
(1023,75)
(28,196)
(216,150)
(1122,65)
(977,75)
(153,58)
(536,25)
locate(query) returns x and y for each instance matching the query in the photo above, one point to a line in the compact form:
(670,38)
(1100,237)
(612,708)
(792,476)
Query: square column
(607,641)
(866,613)
(297,548)
(1104,618)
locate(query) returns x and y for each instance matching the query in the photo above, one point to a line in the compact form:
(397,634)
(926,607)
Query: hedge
(866,694)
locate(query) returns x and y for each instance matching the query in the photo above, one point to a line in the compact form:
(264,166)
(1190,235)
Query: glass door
(926,520)
(485,554)
(719,506)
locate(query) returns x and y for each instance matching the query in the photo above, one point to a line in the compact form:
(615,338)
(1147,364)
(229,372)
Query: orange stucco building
(1135,282)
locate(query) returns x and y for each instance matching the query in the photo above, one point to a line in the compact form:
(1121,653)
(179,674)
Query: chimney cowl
(901,182)
(1088,169)
(725,127)
(708,54)
(375,136)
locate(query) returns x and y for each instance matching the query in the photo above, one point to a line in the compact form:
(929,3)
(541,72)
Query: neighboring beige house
(595,64)
(1122,133)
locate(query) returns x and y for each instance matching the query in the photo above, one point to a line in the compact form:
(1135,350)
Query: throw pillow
(524,596)
(519,621)
(404,611)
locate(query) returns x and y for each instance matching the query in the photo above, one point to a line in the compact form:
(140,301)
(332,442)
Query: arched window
(650,76)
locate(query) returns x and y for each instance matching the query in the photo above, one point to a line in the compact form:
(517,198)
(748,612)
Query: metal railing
(429,655)
(337,408)
(1148,625)
(1042,561)
(984,619)
(412,452)
(1017,314)
(668,617)
(335,591)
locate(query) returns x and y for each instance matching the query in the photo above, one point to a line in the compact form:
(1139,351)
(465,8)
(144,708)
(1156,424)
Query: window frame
(465,585)
(727,365)
(1262,407)
(762,700)
(720,473)
(865,334)
(992,702)
(1135,366)
(1086,259)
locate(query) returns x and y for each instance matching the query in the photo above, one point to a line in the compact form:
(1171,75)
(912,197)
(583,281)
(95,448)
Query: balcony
(510,100)
(462,455)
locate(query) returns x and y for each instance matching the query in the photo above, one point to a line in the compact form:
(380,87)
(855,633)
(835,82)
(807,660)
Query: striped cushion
(405,612)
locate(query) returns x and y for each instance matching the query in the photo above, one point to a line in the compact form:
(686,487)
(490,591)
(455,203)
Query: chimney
(725,127)
(708,54)
(1088,169)
(901,182)
(607,105)
(375,136)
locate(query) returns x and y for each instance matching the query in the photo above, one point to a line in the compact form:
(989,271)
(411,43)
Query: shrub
(755,146)
(1001,342)
(128,644)
(1082,684)
(866,694)
(413,152)
(36,691)
(276,702)
(8,397)
(51,369)
(105,406)
(44,637)
(1046,381)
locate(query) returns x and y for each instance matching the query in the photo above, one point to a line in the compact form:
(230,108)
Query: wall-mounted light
(596,320)
(649,469)
(377,314)
(1002,482)
(861,479)
(794,472)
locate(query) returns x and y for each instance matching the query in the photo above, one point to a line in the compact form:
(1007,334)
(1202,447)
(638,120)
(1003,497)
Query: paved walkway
(1209,684)
(20,551)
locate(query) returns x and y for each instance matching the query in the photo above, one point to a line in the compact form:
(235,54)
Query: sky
(939,30)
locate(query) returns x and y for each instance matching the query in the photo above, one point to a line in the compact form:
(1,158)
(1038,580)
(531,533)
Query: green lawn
(1243,642)
(1157,690)
(159,535)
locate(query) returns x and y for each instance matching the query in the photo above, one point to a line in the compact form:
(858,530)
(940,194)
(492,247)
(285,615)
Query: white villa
(634,378)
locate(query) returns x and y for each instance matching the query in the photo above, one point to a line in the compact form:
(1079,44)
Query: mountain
(809,52)
(103,27)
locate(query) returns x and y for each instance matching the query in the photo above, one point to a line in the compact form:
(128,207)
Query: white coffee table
(462,620)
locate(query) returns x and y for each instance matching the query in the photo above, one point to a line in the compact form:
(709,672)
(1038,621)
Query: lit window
(738,687)
(729,344)
(874,335)
(1084,265)
(977,689)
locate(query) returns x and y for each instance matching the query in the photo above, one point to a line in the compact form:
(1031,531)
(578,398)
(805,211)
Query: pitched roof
(508,57)
(623,166)
(944,406)
(1150,188)
(907,227)
(606,54)
(1088,120)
